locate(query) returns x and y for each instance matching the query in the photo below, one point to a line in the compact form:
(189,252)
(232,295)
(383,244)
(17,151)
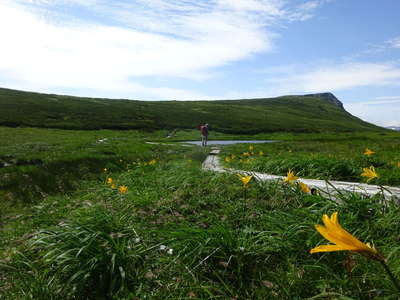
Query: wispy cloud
(394,43)
(306,10)
(103,45)
(336,77)
(383,111)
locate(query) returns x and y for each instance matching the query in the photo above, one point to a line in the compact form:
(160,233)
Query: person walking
(204,134)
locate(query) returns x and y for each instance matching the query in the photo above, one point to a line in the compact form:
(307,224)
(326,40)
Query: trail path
(327,189)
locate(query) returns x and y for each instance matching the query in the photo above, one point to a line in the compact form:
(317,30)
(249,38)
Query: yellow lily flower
(368,152)
(245,179)
(290,177)
(123,189)
(369,173)
(227,159)
(113,186)
(304,187)
(246,154)
(109,180)
(261,153)
(342,239)
(251,148)
(152,162)
(233,156)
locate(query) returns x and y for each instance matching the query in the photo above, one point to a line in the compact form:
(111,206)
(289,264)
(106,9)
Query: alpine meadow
(100,199)
(199,150)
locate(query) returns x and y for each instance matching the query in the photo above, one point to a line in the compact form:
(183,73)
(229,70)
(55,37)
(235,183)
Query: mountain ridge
(301,113)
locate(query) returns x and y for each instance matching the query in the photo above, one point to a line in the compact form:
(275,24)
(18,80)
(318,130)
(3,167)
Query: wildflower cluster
(122,189)
(370,172)
(245,157)
(147,163)
(291,178)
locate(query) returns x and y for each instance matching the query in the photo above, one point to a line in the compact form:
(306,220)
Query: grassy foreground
(177,232)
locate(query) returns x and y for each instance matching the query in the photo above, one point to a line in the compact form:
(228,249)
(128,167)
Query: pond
(231,142)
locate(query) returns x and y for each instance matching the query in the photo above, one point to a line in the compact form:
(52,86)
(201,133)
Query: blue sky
(207,49)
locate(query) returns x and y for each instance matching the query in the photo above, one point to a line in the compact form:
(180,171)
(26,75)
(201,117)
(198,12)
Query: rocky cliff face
(327,97)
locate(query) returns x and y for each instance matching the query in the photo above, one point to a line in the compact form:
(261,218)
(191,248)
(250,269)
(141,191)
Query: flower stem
(392,277)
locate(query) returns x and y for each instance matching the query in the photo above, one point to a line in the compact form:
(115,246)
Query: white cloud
(394,43)
(378,111)
(46,43)
(337,77)
(38,51)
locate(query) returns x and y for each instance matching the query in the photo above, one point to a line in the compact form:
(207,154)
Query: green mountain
(308,113)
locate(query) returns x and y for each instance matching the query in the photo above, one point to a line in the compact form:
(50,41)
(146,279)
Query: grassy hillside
(311,113)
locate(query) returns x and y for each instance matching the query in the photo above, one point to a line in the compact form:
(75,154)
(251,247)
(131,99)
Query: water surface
(231,142)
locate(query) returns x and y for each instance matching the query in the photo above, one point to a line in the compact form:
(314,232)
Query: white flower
(170,251)
(163,247)
(137,240)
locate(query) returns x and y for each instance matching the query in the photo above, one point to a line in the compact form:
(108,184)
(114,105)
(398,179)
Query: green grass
(336,158)
(310,113)
(43,162)
(182,233)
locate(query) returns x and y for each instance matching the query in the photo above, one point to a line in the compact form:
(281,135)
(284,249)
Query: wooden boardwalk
(327,188)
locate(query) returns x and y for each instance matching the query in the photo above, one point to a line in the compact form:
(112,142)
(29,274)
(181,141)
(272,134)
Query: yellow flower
(105,170)
(369,173)
(368,152)
(304,187)
(342,239)
(245,179)
(123,189)
(152,162)
(246,154)
(251,148)
(261,153)
(227,159)
(109,180)
(290,177)
(233,156)
(113,186)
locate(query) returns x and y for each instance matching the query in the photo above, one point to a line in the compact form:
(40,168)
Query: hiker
(204,134)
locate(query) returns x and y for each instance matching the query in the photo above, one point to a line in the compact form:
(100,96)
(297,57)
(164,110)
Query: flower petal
(332,237)
(341,236)
(327,248)
(334,233)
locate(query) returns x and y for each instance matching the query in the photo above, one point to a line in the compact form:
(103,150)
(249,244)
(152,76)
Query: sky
(206,50)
